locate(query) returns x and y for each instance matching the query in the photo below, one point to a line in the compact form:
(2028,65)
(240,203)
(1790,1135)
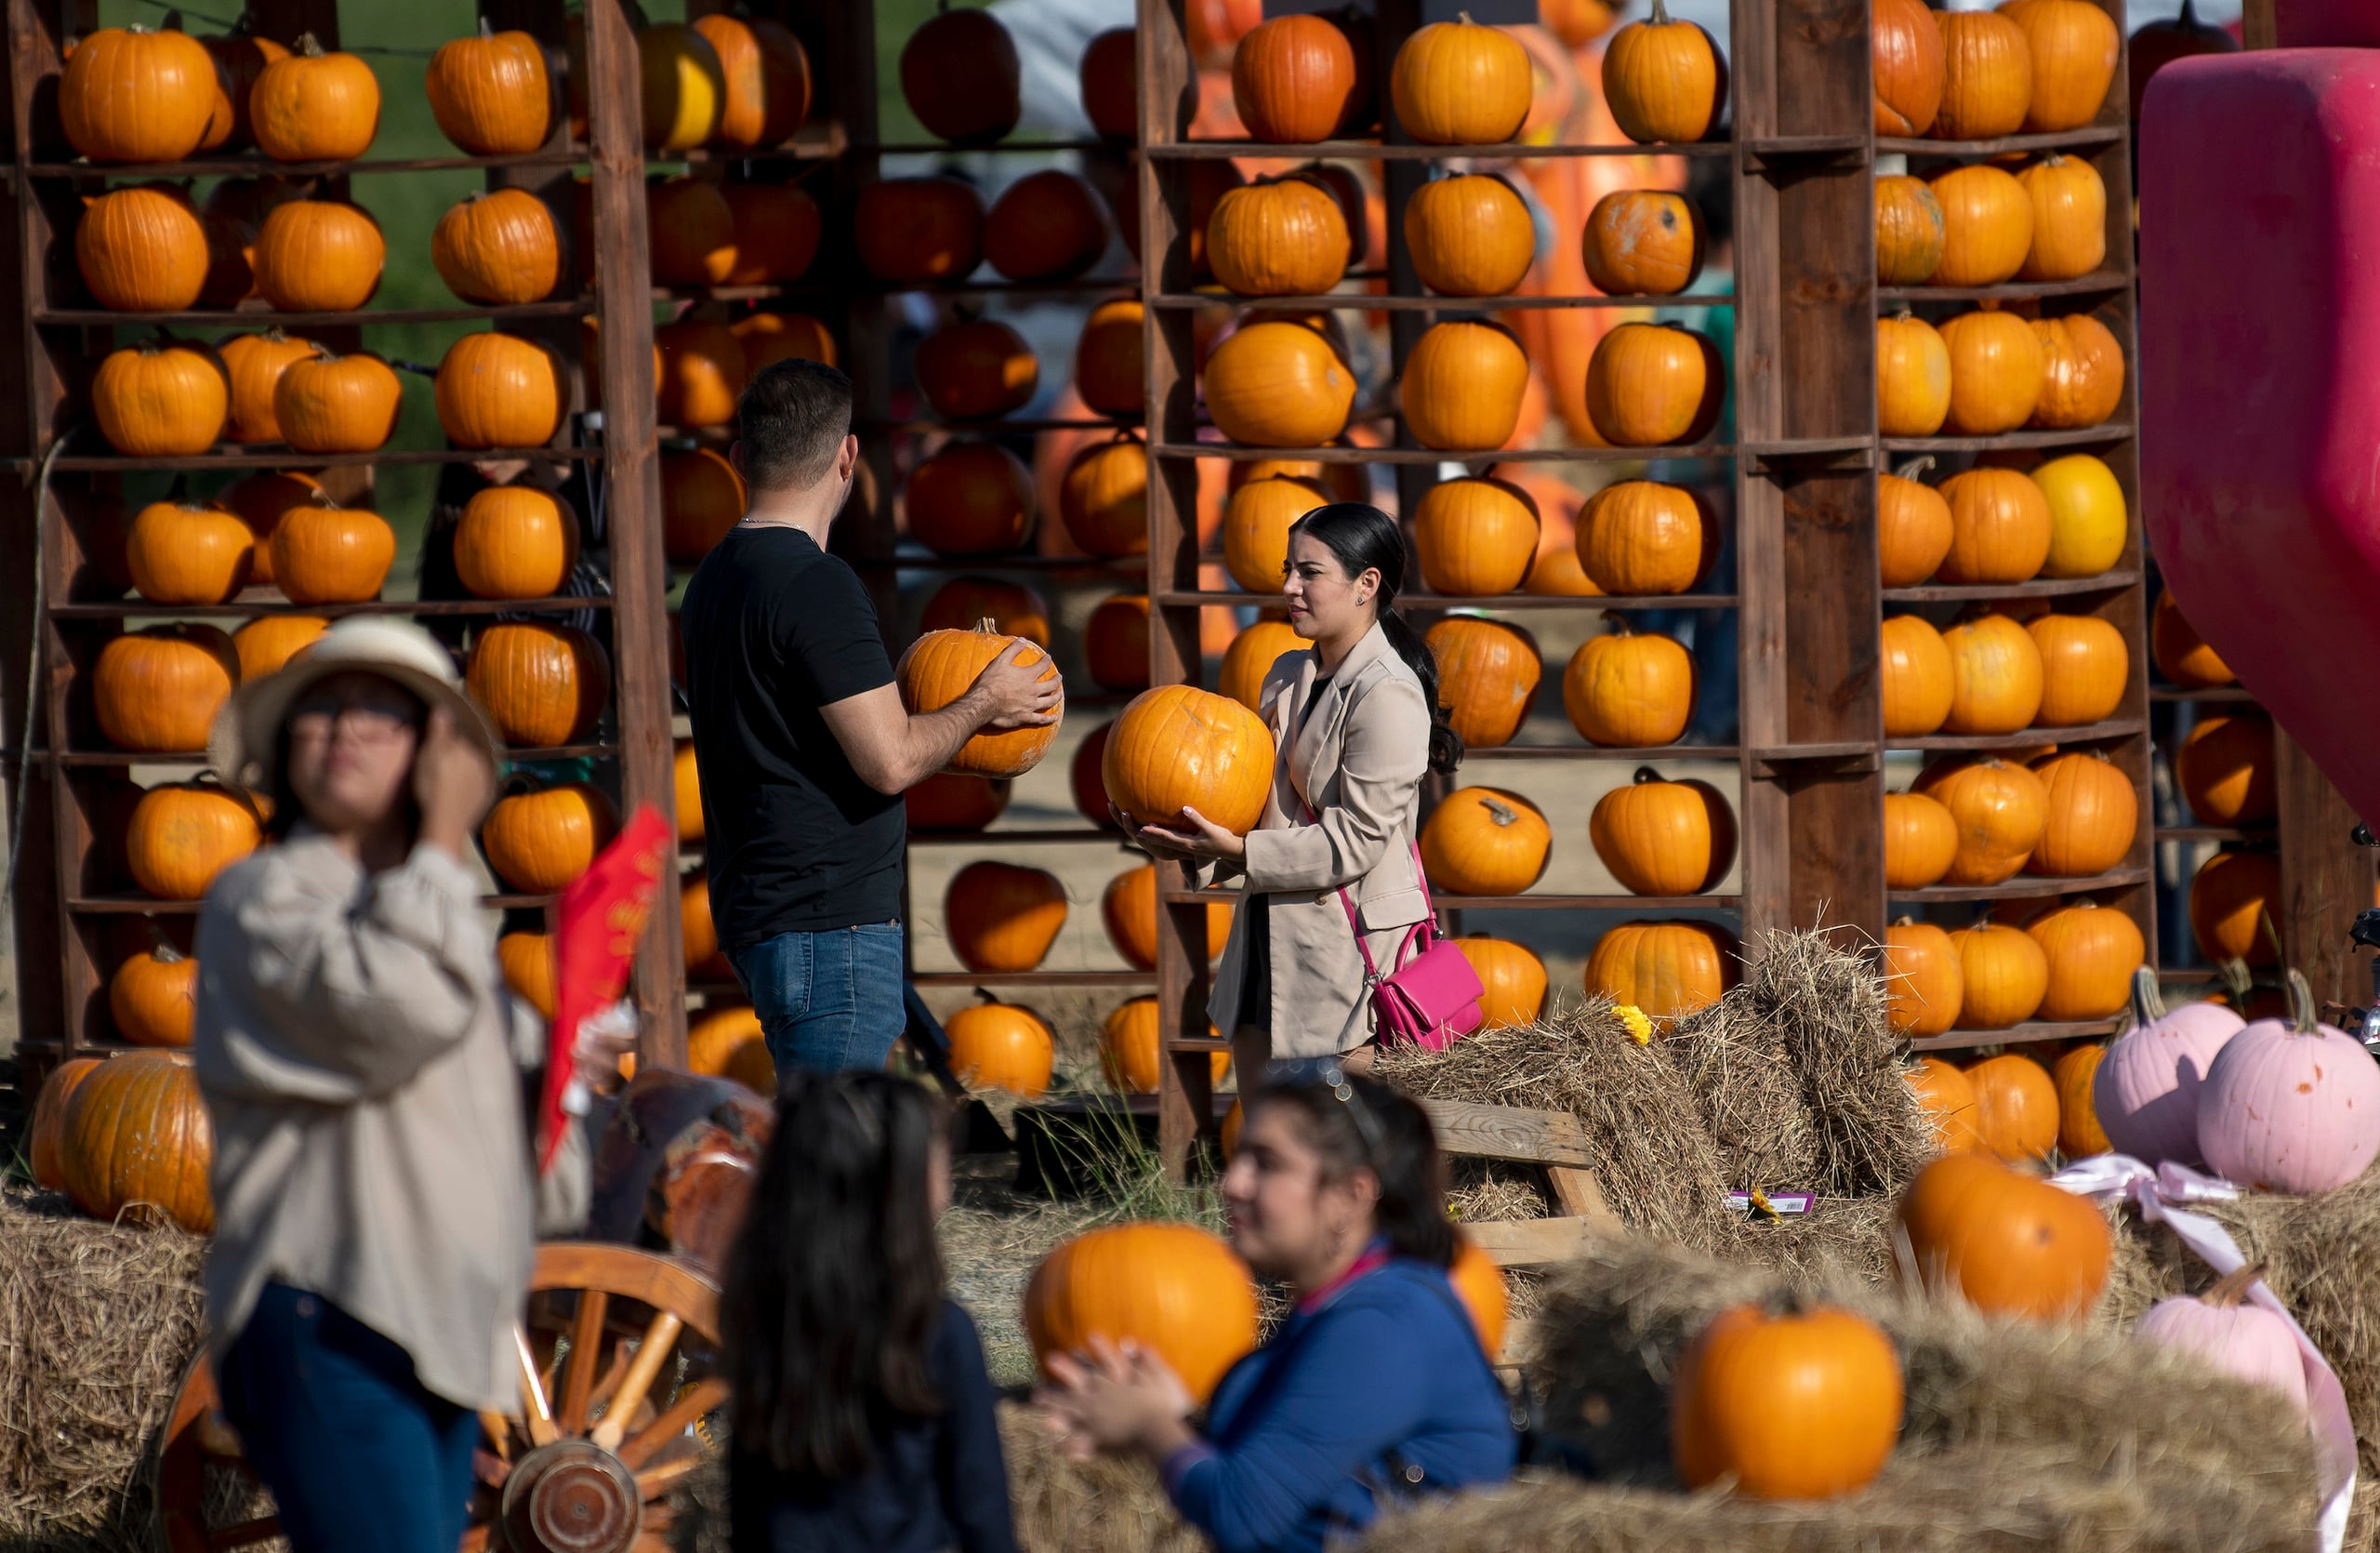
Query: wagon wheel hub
(572,1496)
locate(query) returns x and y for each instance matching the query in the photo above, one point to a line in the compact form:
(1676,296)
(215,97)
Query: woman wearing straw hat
(362,1061)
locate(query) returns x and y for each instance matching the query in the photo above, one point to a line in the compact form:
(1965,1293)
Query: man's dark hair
(793,418)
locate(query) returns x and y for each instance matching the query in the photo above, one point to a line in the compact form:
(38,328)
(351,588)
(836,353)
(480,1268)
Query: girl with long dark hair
(1355,725)
(1374,1389)
(862,1415)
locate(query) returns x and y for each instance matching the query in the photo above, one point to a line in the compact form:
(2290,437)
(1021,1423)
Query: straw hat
(240,746)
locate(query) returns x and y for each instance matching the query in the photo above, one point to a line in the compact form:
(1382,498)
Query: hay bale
(1112,1503)
(1655,1163)
(1841,1239)
(1489,1191)
(97,1324)
(1733,1065)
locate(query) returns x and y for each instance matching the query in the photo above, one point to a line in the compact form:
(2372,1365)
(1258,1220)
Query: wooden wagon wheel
(618,1365)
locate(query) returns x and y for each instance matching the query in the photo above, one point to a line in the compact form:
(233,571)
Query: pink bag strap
(1429,911)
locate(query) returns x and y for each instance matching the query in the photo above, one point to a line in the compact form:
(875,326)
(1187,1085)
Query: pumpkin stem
(310,45)
(2237,982)
(1661,17)
(1647,774)
(166,954)
(2233,1286)
(2301,1002)
(1502,813)
(1465,17)
(2147,1002)
(487,28)
(1915,467)
(984,993)
(173,23)
(987,624)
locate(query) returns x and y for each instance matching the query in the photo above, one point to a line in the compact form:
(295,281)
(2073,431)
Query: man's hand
(1013,694)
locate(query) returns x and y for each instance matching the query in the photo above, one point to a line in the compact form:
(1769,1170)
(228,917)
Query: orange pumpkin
(1256,528)
(2234,908)
(944,801)
(489,94)
(1664,838)
(1910,228)
(539,840)
(1801,1403)
(1456,83)
(181,553)
(1642,538)
(1279,238)
(154,997)
(2010,1244)
(1913,525)
(136,1142)
(1179,747)
(1487,677)
(1913,377)
(2000,527)
(1045,226)
(764,73)
(702,499)
(1251,658)
(1281,385)
(1103,498)
(2182,654)
(1293,79)
(1987,77)
(132,95)
(260,500)
(997,1045)
(1924,983)
(1486,842)
(326,554)
(528,962)
(975,369)
(141,249)
(515,542)
(1918,682)
(1986,225)
(1667,970)
(1921,841)
(770,338)
(2001,810)
(1475,538)
(1512,980)
(971,498)
(1128,909)
(732,1044)
(160,400)
(311,106)
(2006,976)
(2226,770)
(182,834)
(318,256)
(2085,667)
(2073,46)
(1664,80)
(1996,370)
(1462,386)
(2069,204)
(701,373)
(1011,607)
(1172,1289)
(1469,235)
(911,230)
(2092,815)
(47,1127)
(2092,951)
(686,785)
(1643,243)
(253,364)
(1130,1053)
(158,690)
(2078,1133)
(1949,1102)
(940,667)
(690,232)
(1629,689)
(333,403)
(2082,371)
(1907,71)
(268,642)
(1649,385)
(1108,357)
(1111,85)
(1000,917)
(543,685)
(959,76)
(777,229)
(1115,642)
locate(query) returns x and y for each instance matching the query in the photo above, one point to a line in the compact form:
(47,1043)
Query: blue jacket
(1382,1387)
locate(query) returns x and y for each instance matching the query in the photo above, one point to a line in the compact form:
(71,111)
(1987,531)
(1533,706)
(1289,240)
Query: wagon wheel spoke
(498,1431)
(660,1340)
(675,1465)
(586,1352)
(534,1409)
(646,1442)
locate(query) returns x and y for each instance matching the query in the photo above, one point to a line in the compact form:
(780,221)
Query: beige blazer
(1358,756)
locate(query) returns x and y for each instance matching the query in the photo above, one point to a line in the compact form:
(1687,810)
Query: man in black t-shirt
(802,742)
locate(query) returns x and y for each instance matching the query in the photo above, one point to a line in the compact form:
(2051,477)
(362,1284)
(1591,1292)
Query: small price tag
(1770,1204)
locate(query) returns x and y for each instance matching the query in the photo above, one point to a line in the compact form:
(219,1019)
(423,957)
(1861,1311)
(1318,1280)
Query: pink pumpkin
(2241,1340)
(2290,1104)
(2145,1089)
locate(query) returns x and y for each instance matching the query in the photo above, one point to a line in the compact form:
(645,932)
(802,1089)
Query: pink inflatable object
(2259,405)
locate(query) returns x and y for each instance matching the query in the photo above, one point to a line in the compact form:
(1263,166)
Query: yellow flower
(1640,1029)
(1761,1206)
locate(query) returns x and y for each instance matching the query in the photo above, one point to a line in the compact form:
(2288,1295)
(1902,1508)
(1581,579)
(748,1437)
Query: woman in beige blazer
(1356,725)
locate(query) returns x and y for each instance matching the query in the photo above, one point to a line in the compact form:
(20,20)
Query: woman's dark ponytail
(1364,539)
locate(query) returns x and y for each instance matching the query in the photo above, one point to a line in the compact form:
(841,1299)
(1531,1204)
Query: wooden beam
(2325,878)
(1509,1132)
(1535,1242)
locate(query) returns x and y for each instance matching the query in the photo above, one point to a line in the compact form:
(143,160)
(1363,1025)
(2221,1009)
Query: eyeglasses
(373,720)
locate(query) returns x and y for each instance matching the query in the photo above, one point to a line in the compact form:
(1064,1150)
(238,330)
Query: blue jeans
(359,1457)
(828,1000)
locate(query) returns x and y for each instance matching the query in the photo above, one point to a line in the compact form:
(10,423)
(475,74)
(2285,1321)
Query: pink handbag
(1430,995)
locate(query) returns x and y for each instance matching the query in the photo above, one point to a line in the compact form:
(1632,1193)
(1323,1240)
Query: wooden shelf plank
(1193,598)
(1601,753)
(2008,291)
(1456,456)
(2022,887)
(1033,979)
(2214,833)
(1534,1242)
(2039,587)
(142,609)
(101,759)
(2026,738)
(1362,301)
(1021,837)
(266,317)
(2106,432)
(1524,902)
(2015,1035)
(103,906)
(264,166)
(1510,1133)
(247,457)
(1373,151)
(2089,135)
(2232,693)
(1122,286)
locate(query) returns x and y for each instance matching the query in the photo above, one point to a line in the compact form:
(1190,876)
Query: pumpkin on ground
(1278,384)
(515,542)
(1798,1403)
(975,369)
(2219,1327)
(1628,689)
(1475,538)
(1664,838)
(1002,1046)
(2079,1136)
(1921,841)
(1640,536)
(1178,747)
(2011,1244)
(539,840)
(1129,1049)
(161,399)
(152,997)
(136,1141)
(2088,524)
(1668,970)
(1913,377)
(1916,687)
(1987,77)
(157,690)
(1001,918)
(183,552)
(1173,1289)
(2092,952)
(1949,1102)
(732,1044)
(1511,978)
(1469,235)
(1995,676)
(941,665)
(47,1127)
(319,255)
(959,76)
(1910,230)
(1487,677)
(2092,815)
(1907,67)
(2004,975)
(1650,385)
(1251,655)
(1486,842)
(970,497)
(1664,80)
(2290,1104)
(326,554)
(1128,909)
(543,685)
(1454,83)
(1643,243)
(132,95)
(1924,982)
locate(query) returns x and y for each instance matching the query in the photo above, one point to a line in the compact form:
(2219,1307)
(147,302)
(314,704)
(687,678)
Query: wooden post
(632,486)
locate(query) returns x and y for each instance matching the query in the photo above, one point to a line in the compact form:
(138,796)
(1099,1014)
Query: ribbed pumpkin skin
(1948,1101)
(778,229)
(1045,226)
(2083,372)
(1666,969)
(141,250)
(1987,77)
(2146,1091)
(701,497)
(1910,230)
(1256,528)
(152,997)
(1995,676)
(1920,839)
(544,685)
(158,690)
(1001,1046)
(1649,385)
(2006,976)
(971,498)
(2073,46)
(2182,654)
(188,555)
(1912,377)
(1906,49)
(260,500)
(1291,80)
(182,834)
(2093,817)
(2000,527)
(1664,80)
(2290,1106)
(515,542)
(325,554)
(765,75)
(1913,526)
(1488,678)
(1987,226)
(2001,811)
(540,841)
(2070,203)
(1116,641)
(1250,656)
(240,56)
(319,255)
(2088,523)
(2092,951)
(1803,1405)
(2084,668)
(1281,385)
(1640,536)
(489,94)
(701,373)
(327,404)
(159,401)
(2230,896)
(1457,84)
(1011,607)
(268,642)
(136,95)
(1477,538)
(1177,747)
(690,232)
(1630,689)
(1486,842)
(914,230)
(958,75)
(1128,1054)
(2011,1246)
(1000,917)
(1280,237)
(1661,838)
(47,1127)
(1104,499)
(732,1044)
(1128,909)
(1173,1288)
(1643,243)
(686,782)
(136,1141)
(2079,1136)
(498,249)
(1107,359)
(2225,768)
(310,106)
(977,368)
(253,364)
(941,665)
(1462,386)
(528,962)
(1512,980)
(1996,366)
(1924,983)
(1470,235)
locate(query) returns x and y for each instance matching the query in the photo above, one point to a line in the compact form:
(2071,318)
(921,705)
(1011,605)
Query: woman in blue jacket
(1375,1388)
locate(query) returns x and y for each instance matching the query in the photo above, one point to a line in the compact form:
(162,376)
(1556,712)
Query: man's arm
(893,749)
